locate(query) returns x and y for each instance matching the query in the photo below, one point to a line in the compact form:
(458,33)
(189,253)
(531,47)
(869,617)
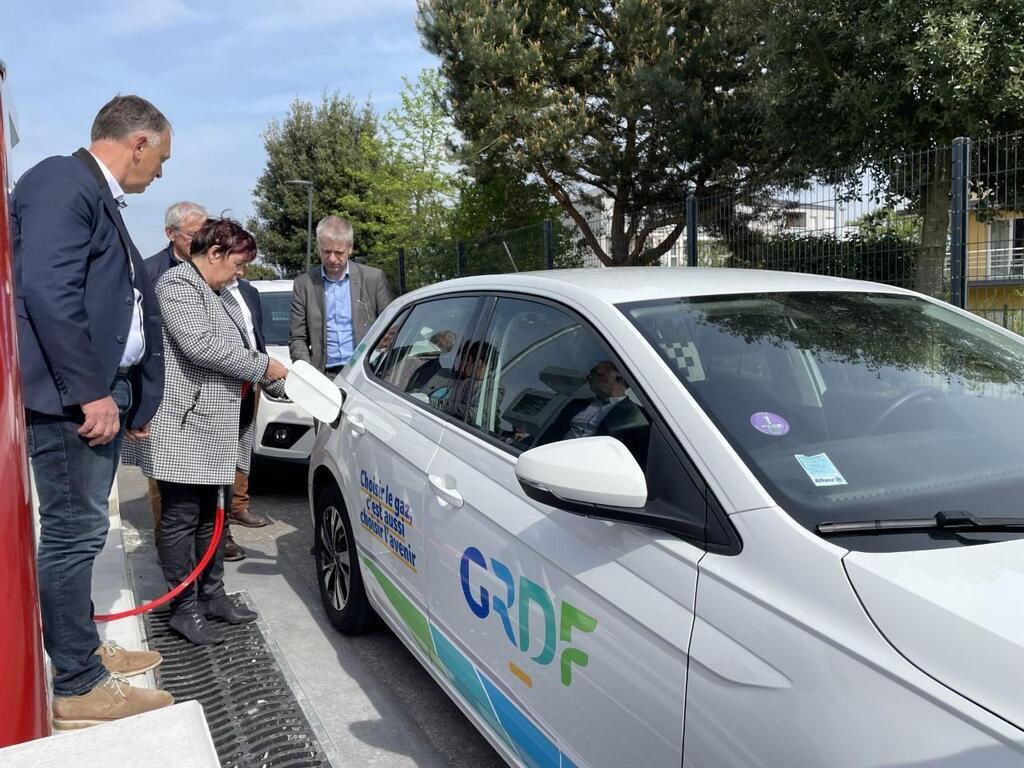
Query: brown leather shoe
(111,700)
(233,551)
(248,518)
(121,661)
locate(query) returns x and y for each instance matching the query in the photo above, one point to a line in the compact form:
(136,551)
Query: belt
(124,370)
(334,369)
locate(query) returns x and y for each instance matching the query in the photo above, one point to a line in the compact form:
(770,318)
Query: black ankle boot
(225,609)
(193,626)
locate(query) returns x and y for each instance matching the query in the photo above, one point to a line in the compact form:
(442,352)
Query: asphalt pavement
(374,703)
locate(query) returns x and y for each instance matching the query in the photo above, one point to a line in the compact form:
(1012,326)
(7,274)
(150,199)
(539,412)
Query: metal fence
(548,244)
(991,220)
(886,222)
(946,221)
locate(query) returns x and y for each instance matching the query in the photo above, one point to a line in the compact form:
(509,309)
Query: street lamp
(309,216)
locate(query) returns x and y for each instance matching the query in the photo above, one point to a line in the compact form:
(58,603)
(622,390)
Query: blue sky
(221,70)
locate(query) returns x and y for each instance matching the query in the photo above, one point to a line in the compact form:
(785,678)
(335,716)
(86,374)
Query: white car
(283,431)
(700,517)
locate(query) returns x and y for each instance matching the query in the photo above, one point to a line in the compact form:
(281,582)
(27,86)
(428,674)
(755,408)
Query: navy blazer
(252,300)
(73,292)
(160,262)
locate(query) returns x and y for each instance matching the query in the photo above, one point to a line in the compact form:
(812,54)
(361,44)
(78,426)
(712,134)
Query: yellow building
(995,268)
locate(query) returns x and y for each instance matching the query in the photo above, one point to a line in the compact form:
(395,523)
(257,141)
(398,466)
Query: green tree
(499,199)
(336,145)
(849,84)
(634,101)
(500,216)
(258,270)
(417,138)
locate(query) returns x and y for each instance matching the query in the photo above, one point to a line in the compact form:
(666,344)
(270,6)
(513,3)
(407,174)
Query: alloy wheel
(335,557)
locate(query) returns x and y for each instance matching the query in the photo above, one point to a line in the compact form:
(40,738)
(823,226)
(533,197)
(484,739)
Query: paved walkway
(376,705)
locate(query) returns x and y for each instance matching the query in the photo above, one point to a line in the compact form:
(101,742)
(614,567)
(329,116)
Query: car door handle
(355,423)
(447,494)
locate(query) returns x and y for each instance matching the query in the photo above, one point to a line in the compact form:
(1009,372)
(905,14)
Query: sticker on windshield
(769,423)
(821,470)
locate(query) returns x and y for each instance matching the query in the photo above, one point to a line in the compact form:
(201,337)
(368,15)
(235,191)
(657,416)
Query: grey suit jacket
(307,337)
(194,437)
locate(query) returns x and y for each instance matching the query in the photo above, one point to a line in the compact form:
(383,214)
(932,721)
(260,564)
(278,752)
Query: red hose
(218,528)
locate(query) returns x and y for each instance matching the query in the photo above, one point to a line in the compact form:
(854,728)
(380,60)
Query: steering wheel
(918,393)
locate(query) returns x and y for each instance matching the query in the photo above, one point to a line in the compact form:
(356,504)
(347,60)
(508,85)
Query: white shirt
(240,300)
(588,421)
(135,346)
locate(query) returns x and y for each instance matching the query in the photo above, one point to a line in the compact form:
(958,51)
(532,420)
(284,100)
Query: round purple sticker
(769,423)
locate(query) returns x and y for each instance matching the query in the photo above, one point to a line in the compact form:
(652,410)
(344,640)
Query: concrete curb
(172,737)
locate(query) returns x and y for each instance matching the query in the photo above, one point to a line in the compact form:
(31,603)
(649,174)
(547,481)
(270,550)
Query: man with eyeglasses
(181,222)
(334,304)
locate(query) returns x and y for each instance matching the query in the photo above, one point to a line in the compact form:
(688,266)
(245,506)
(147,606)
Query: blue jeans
(73,482)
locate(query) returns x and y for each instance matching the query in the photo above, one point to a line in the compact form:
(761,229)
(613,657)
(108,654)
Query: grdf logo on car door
(558,625)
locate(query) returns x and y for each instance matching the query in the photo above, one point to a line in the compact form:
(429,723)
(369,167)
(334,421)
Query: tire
(337,567)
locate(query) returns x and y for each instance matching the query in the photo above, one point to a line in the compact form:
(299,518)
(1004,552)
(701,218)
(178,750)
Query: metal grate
(253,716)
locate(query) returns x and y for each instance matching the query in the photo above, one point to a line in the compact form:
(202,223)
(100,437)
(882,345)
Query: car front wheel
(337,567)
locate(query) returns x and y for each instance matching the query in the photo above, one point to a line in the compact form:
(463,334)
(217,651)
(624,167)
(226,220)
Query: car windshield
(852,406)
(276,306)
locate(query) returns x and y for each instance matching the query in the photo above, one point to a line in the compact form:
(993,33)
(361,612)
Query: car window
(540,376)
(377,357)
(275,307)
(421,354)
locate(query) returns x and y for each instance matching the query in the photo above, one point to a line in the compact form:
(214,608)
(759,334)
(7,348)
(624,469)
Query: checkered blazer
(194,437)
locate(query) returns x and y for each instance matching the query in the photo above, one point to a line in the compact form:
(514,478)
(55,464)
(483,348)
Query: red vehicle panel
(23,701)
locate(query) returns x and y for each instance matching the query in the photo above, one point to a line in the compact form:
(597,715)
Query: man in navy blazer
(91,354)
(181,222)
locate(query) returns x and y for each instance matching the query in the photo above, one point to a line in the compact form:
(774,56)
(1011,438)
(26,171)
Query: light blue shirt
(338,319)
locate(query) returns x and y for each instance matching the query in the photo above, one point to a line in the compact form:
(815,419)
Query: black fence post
(958,221)
(691,230)
(549,245)
(460,259)
(401,271)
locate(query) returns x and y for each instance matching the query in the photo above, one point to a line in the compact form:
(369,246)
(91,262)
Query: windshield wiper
(962,522)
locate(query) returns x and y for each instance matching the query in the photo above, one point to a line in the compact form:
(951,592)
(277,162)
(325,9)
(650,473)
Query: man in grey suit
(334,304)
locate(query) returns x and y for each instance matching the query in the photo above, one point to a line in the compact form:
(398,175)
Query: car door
(568,635)
(390,438)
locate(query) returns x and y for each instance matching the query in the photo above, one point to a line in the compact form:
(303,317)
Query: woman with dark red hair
(196,439)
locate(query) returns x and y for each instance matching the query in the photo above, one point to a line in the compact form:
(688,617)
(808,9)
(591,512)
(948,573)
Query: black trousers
(187,519)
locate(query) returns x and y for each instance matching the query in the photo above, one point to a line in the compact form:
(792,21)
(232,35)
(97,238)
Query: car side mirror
(593,476)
